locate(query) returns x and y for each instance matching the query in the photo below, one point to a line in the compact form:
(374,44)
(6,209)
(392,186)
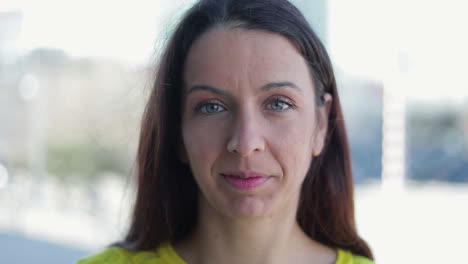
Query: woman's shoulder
(115,255)
(166,255)
(346,257)
(119,255)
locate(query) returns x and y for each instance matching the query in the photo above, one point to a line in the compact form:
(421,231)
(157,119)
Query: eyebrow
(278,85)
(267,87)
(207,88)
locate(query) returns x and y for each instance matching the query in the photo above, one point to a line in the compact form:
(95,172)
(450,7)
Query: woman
(243,155)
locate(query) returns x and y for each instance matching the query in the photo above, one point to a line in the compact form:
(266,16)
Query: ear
(322,124)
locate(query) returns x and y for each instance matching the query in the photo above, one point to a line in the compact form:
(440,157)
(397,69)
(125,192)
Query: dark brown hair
(166,203)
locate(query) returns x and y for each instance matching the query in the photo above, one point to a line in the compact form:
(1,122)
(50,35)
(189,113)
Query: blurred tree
(84,159)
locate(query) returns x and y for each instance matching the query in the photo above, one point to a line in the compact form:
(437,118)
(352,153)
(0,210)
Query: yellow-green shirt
(167,255)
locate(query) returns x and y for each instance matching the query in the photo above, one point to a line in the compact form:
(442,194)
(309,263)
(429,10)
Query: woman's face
(250,124)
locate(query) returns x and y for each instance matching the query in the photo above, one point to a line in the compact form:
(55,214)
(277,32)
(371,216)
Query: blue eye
(210,108)
(279,105)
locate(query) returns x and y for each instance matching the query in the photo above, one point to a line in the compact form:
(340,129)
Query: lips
(245,180)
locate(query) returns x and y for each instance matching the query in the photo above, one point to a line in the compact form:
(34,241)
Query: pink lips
(245,180)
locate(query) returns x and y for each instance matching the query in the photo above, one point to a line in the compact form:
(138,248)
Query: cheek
(293,147)
(203,143)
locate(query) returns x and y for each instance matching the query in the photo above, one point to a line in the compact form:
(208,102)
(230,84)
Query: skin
(249,106)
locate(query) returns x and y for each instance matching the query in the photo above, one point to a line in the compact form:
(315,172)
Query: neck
(272,239)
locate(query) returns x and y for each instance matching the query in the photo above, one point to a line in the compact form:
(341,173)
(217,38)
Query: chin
(250,207)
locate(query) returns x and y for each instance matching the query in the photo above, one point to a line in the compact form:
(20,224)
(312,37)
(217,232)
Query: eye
(210,108)
(279,104)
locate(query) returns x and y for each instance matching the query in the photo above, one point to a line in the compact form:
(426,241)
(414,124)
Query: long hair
(166,204)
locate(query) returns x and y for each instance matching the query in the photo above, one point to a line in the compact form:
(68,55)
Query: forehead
(225,55)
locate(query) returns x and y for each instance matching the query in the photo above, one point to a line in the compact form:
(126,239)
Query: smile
(245,181)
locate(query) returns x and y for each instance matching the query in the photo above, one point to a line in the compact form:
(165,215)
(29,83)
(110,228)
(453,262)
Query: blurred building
(61,114)
(10,105)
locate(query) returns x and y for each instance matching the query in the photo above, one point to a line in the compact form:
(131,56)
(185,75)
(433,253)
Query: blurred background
(74,77)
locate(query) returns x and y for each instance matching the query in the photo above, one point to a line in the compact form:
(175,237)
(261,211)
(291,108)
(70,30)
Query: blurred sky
(424,41)
(122,30)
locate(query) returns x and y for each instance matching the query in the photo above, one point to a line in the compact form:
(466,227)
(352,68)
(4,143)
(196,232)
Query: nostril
(246,139)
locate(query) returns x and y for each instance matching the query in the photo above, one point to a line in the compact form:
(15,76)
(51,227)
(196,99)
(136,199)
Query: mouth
(245,180)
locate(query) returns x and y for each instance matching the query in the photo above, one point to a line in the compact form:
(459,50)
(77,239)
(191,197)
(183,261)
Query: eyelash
(276,99)
(199,107)
(279,99)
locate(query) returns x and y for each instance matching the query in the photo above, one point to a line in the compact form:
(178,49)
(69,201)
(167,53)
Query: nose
(246,136)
